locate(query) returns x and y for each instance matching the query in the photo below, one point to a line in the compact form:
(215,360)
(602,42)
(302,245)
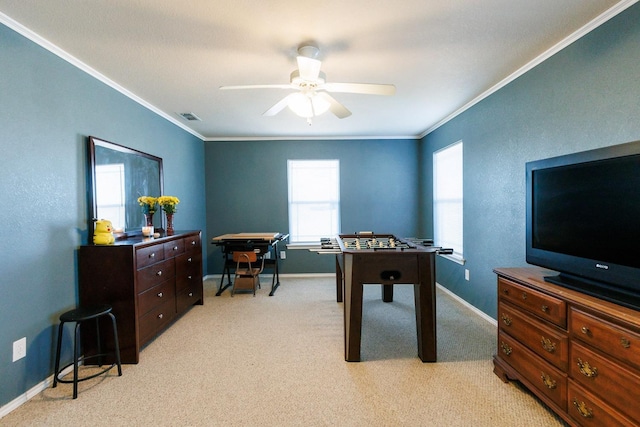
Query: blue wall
(584,97)
(246,186)
(48,108)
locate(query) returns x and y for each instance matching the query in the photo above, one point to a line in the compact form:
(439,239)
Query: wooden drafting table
(262,243)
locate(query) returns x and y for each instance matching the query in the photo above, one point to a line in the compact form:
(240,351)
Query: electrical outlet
(19,349)
(466,274)
(283,255)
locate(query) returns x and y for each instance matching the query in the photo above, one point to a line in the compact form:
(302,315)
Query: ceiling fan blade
(283,86)
(279,106)
(309,68)
(364,88)
(336,108)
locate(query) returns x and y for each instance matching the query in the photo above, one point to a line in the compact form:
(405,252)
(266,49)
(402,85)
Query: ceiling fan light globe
(307,105)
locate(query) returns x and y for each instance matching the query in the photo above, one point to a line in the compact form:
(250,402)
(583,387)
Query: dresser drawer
(542,305)
(615,340)
(605,378)
(159,317)
(188,297)
(149,255)
(188,270)
(588,410)
(155,274)
(191,243)
(542,375)
(155,296)
(549,343)
(173,248)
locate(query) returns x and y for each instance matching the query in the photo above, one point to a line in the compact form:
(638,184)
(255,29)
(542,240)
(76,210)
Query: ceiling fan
(311,97)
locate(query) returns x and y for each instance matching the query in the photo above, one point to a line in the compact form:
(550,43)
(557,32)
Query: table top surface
(247,236)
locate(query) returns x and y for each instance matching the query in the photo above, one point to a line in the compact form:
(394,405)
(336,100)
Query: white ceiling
(172,56)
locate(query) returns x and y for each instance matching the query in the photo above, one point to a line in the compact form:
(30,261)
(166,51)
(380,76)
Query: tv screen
(583,220)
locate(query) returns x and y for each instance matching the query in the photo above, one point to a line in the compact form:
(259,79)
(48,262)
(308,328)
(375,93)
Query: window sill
(455,258)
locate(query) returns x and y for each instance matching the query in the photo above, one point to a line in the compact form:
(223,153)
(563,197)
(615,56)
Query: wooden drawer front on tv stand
(602,371)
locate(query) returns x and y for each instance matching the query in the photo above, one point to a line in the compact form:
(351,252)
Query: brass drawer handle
(585,330)
(548,345)
(587,370)
(152,255)
(175,248)
(582,408)
(624,342)
(193,243)
(524,296)
(545,308)
(159,273)
(506,320)
(505,291)
(189,277)
(549,382)
(160,316)
(189,259)
(506,349)
(160,294)
(190,294)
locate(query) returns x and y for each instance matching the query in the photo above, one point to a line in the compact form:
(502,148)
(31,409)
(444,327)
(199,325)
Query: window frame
(457,199)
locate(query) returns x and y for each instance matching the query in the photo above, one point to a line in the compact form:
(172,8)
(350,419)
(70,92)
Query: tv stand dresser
(148,282)
(579,354)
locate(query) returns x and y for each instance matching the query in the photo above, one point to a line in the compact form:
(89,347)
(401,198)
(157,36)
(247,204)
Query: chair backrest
(244,256)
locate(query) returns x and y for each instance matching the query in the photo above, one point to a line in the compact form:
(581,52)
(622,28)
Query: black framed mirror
(118,175)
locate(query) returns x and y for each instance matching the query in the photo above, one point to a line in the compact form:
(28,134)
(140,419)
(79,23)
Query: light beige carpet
(279,361)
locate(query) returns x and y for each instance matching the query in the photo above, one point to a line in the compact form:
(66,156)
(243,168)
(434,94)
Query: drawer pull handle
(152,255)
(175,248)
(159,273)
(189,277)
(586,369)
(582,409)
(189,259)
(193,243)
(505,291)
(506,320)
(160,294)
(506,349)
(548,345)
(585,330)
(160,316)
(549,382)
(524,296)
(545,308)
(624,342)
(190,294)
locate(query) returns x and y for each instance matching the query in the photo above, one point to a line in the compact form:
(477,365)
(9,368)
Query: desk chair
(248,269)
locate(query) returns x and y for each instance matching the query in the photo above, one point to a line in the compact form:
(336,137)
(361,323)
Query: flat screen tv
(583,221)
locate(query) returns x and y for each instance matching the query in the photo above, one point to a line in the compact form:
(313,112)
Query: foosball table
(386,260)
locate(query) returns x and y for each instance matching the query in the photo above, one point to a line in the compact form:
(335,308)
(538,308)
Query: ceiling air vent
(190,116)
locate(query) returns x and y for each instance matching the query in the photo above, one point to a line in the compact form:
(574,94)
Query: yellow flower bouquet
(148,204)
(168,203)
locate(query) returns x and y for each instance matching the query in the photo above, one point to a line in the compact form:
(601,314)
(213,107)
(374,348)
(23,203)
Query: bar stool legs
(78,316)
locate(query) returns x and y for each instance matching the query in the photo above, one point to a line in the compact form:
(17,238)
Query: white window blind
(447,197)
(314,199)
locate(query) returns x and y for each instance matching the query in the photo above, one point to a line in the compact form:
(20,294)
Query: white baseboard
(29,394)
(477,311)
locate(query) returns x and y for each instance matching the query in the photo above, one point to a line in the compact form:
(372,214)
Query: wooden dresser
(579,354)
(148,282)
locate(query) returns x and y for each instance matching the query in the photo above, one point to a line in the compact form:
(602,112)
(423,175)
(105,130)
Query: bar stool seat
(78,316)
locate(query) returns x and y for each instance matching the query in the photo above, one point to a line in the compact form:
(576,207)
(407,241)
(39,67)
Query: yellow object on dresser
(103,233)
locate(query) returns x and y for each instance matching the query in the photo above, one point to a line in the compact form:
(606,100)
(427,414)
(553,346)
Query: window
(314,199)
(447,197)
(110,193)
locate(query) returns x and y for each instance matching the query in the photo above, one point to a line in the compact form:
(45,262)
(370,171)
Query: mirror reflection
(120,175)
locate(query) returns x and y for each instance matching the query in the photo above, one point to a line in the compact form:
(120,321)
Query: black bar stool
(78,316)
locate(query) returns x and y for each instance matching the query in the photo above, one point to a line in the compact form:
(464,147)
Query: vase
(149,218)
(169,223)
